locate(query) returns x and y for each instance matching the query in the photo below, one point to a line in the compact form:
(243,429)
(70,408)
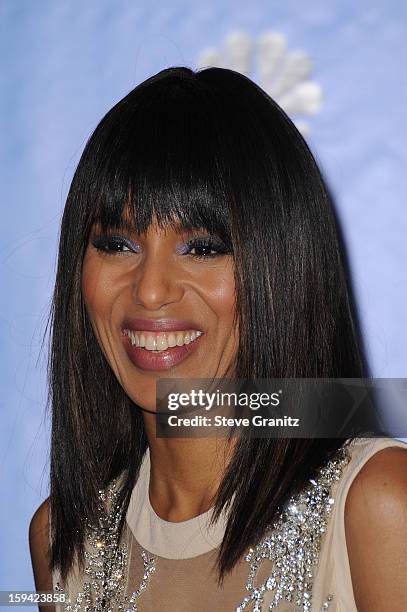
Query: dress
(170,566)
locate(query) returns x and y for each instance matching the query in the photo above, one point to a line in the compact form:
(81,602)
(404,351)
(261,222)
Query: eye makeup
(204,245)
(110,244)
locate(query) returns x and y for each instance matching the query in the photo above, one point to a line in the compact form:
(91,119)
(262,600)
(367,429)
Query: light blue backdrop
(64,64)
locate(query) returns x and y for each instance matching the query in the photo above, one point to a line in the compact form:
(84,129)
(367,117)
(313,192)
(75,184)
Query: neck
(185,472)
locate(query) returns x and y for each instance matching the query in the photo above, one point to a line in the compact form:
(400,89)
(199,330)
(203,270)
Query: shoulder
(40,517)
(376,531)
(38,535)
(380,485)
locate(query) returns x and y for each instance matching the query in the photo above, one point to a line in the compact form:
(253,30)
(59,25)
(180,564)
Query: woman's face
(161,306)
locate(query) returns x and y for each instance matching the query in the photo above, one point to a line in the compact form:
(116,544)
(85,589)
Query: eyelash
(104,243)
(206,243)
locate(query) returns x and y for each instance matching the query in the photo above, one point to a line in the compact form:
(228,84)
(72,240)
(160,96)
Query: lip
(162,360)
(157,325)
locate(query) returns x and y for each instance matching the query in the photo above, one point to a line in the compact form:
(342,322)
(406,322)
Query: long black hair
(211,149)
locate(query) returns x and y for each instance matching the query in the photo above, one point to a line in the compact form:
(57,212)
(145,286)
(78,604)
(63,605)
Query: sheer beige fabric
(185,577)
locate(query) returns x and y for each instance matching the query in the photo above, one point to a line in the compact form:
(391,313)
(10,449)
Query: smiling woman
(198,241)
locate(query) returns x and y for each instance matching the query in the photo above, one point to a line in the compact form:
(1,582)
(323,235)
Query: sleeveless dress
(301,564)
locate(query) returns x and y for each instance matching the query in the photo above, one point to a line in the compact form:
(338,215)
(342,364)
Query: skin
(376,532)
(154,280)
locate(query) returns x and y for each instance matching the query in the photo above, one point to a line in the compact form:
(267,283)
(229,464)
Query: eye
(204,248)
(111,245)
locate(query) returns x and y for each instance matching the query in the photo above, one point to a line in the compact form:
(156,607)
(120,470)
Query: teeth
(151,343)
(172,341)
(161,341)
(134,340)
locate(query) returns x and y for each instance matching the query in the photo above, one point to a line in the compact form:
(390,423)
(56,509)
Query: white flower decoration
(283,74)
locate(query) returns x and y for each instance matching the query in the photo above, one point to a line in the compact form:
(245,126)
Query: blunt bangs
(162,162)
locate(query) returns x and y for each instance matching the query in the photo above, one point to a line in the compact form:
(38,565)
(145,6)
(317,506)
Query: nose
(157,282)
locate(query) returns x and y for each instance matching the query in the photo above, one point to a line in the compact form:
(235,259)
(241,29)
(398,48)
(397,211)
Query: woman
(198,241)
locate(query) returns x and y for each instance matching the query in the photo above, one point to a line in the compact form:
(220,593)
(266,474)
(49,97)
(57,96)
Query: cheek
(224,302)
(221,297)
(97,289)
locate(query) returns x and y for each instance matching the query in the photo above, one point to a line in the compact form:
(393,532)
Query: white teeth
(161,341)
(172,341)
(135,340)
(151,343)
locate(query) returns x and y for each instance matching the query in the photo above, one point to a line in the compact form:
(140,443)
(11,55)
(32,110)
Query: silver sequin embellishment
(106,565)
(327,603)
(294,542)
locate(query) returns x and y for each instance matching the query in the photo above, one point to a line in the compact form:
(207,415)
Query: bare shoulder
(376,532)
(40,517)
(380,486)
(38,535)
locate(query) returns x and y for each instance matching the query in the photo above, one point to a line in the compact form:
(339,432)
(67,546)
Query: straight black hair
(209,149)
